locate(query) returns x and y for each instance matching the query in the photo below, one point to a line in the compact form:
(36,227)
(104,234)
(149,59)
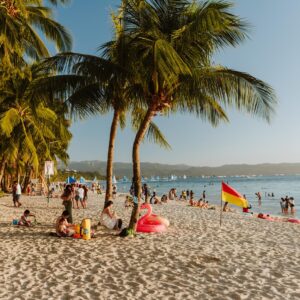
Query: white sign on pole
(49,168)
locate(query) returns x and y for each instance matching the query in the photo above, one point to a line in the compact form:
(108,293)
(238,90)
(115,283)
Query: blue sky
(271,54)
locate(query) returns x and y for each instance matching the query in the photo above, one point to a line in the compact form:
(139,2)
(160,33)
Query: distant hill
(151,169)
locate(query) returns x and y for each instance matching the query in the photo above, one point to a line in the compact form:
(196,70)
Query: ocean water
(280,186)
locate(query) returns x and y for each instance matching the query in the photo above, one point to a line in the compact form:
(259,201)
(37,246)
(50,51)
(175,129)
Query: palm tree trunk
(110,155)
(27,176)
(2,168)
(137,182)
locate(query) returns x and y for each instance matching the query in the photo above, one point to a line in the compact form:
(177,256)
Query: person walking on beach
(85,195)
(73,194)
(16,191)
(203,195)
(114,193)
(191,195)
(146,192)
(67,202)
(80,195)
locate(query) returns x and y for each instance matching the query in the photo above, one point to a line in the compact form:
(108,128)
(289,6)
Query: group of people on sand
(71,196)
(200,203)
(108,218)
(76,193)
(287,204)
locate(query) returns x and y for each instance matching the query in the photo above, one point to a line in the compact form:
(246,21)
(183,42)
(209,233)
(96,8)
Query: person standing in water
(259,198)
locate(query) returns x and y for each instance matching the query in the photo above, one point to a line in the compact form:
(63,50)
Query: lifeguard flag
(230,195)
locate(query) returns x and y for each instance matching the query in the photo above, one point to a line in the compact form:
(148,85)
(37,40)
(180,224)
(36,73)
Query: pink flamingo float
(151,222)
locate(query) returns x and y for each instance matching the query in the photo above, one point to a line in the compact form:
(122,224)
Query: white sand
(247,258)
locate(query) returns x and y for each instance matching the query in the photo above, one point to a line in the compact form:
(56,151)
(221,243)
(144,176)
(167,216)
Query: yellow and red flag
(230,195)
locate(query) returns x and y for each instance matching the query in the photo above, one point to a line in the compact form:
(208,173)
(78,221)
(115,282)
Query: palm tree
(97,84)
(172,43)
(20,22)
(28,124)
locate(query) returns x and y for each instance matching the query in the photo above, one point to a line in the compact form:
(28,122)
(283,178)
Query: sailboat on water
(114,180)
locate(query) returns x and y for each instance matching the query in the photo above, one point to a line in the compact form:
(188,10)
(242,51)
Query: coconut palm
(172,43)
(98,84)
(20,24)
(28,124)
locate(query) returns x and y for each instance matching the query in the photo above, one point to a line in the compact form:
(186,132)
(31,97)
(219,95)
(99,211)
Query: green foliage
(20,22)
(30,122)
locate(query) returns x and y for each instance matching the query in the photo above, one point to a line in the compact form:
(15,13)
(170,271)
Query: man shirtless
(63,227)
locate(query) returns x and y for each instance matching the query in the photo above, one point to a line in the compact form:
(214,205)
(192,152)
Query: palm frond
(154,134)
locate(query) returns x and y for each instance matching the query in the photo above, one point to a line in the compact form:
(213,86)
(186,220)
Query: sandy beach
(248,258)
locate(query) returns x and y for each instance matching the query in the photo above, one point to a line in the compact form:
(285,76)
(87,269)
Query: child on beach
(62,226)
(24,218)
(128,201)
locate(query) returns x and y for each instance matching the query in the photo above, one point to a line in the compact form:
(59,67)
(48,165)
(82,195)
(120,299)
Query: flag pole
(221,209)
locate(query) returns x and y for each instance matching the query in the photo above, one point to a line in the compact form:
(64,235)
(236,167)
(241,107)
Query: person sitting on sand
(24,218)
(171,194)
(246,209)
(225,207)
(200,203)
(205,204)
(108,218)
(63,227)
(192,202)
(154,199)
(164,198)
(128,201)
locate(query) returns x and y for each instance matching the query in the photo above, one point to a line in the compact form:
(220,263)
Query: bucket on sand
(86,229)
(15,222)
